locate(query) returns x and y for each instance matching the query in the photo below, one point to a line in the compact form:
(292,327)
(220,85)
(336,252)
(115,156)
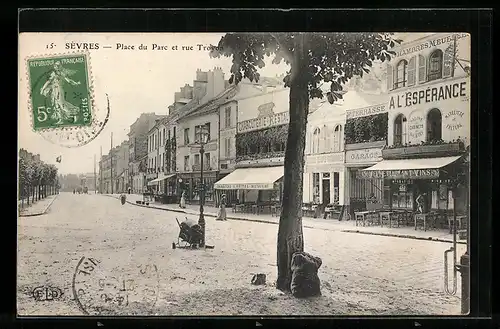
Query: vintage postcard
(243,174)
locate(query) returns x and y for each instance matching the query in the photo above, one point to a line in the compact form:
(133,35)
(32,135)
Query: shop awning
(159,179)
(407,168)
(251,179)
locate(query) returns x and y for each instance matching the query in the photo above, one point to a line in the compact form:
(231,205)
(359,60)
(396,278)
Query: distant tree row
(37,180)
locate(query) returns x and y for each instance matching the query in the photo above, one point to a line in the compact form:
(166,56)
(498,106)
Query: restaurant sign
(429,95)
(399,174)
(249,186)
(363,156)
(264,122)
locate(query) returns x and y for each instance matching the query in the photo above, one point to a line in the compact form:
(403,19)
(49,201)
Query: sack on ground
(305,280)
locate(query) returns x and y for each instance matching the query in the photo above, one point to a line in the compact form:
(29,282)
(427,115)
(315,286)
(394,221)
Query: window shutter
(421,69)
(448,59)
(390,84)
(412,70)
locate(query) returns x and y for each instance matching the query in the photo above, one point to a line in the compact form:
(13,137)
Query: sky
(136,81)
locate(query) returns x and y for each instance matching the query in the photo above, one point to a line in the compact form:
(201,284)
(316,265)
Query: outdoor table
(239,208)
(275,210)
(386,215)
(423,218)
(361,216)
(459,220)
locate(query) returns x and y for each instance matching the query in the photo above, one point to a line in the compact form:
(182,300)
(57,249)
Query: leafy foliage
(34,173)
(366,129)
(333,58)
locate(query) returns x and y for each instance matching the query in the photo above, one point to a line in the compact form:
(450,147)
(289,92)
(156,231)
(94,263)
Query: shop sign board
(399,174)
(363,156)
(246,186)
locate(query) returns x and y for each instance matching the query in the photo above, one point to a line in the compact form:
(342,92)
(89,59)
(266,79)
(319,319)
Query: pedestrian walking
(182,204)
(222,208)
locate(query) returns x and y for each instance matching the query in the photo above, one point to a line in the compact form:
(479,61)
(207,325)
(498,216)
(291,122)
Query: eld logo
(43,293)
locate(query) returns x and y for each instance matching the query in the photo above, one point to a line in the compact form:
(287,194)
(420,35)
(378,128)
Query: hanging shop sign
(431,43)
(399,174)
(263,122)
(429,95)
(363,156)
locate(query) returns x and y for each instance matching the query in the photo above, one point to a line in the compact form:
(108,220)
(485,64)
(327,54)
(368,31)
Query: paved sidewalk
(38,208)
(314,223)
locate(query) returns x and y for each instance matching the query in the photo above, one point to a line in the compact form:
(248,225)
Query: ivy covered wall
(265,141)
(371,128)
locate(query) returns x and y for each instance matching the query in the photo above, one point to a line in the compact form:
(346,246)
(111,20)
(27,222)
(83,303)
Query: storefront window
(209,189)
(400,127)
(434,125)
(402,197)
(336,182)
(316,187)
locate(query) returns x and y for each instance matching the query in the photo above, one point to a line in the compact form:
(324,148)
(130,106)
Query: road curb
(403,236)
(44,211)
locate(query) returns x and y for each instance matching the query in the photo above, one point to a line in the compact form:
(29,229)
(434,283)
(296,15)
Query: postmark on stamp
(99,292)
(61,99)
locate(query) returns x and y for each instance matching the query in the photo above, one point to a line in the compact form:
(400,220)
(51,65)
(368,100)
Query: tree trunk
(290,236)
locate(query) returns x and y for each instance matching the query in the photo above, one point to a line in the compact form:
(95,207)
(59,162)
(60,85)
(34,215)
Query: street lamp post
(201,220)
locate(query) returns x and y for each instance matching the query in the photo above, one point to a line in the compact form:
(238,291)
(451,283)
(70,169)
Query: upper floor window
(202,129)
(315,140)
(435,62)
(227,117)
(337,138)
(206,163)
(401,74)
(186,163)
(434,125)
(400,127)
(186,136)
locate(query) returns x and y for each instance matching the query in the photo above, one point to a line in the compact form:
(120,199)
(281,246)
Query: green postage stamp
(60,91)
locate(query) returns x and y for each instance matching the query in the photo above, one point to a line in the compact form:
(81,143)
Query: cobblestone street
(361,274)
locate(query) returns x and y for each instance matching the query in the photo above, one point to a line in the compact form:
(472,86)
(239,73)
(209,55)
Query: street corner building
(423,171)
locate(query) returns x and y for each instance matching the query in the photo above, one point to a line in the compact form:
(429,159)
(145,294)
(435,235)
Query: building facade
(261,118)
(365,135)
(154,165)
(122,167)
(324,156)
(210,88)
(428,126)
(138,150)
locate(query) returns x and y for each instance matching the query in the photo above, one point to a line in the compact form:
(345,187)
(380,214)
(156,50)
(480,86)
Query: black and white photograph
(238,174)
